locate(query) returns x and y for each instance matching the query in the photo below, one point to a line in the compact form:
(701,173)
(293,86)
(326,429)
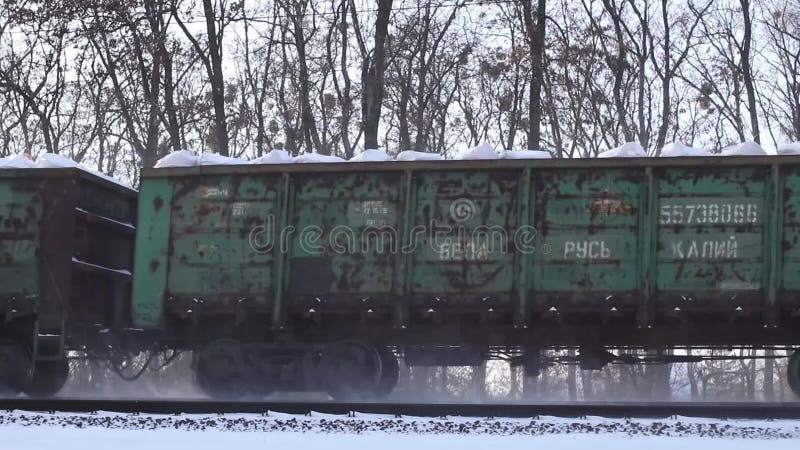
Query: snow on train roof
(51,161)
(186,158)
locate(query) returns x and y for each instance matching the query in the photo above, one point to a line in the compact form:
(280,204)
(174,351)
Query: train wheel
(793,372)
(15,368)
(220,370)
(390,372)
(351,370)
(48,378)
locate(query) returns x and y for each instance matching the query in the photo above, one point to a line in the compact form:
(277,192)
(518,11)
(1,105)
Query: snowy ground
(23,430)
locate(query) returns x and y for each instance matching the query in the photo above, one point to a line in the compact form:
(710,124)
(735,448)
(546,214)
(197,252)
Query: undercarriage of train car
(353,359)
(357,370)
(362,368)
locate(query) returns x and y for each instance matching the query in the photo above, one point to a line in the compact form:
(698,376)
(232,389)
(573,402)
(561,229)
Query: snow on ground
(244,431)
(90,439)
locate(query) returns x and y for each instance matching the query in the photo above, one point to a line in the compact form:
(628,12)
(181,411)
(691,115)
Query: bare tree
(32,66)
(299,28)
(669,63)
(217,15)
(425,65)
(782,100)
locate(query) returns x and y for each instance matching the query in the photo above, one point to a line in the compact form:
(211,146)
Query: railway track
(618,410)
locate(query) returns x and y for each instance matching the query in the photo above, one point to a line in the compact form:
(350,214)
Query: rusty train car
(317,276)
(66,261)
(320,276)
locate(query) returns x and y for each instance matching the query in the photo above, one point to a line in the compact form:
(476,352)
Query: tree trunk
(619,65)
(747,71)
(372,77)
(769,380)
(666,82)
(217,80)
(690,367)
(536,33)
(309,127)
(173,125)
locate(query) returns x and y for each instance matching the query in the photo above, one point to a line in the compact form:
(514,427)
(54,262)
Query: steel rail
(614,410)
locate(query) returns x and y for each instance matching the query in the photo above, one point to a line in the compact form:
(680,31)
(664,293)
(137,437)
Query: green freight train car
(66,256)
(324,271)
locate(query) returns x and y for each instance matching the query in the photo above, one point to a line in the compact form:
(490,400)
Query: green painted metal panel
(522,257)
(18,268)
(711,276)
(20,216)
(648,223)
(790,258)
(773,236)
(713,180)
(152,247)
(419,233)
(346,233)
(606,260)
(588,224)
(711,228)
(223,238)
(464,222)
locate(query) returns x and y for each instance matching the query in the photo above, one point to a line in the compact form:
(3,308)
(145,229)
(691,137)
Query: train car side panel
(152,249)
(710,239)
(788,290)
(462,244)
(20,216)
(588,225)
(343,242)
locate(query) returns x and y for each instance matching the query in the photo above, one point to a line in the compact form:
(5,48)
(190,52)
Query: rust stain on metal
(608,206)
(204,209)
